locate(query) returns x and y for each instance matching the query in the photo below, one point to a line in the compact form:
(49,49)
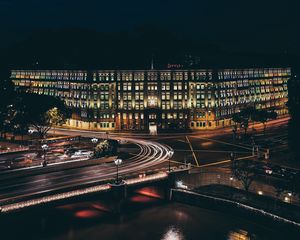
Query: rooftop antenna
(152,63)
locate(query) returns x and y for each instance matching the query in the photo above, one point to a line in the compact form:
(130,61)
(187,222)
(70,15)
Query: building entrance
(152,128)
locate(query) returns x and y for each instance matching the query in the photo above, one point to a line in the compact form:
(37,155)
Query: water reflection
(142,219)
(173,233)
(239,235)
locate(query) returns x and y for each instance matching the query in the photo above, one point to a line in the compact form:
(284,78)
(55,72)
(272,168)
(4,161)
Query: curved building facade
(159,99)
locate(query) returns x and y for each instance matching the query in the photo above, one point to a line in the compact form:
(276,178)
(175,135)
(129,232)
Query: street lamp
(94,140)
(290,196)
(234,130)
(232,156)
(170,154)
(45,147)
(30,132)
(118,162)
(231,179)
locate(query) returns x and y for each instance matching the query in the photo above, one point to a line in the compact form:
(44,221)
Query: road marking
(221,162)
(191,147)
(173,161)
(215,163)
(226,143)
(181,141)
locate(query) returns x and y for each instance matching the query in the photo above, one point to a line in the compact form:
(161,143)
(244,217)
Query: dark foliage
(241,171)
(294,110)
(21,110)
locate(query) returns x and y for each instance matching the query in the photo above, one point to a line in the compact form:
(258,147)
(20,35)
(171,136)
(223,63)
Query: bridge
(157,185)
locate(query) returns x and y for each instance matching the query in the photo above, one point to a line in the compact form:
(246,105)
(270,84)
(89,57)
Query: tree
(255,115)
(16,122)
(241,171)
(41,112)
(102,149)
(294,106)
(56,117)
(242,118)
(7,95)
(106,147)
(263,116)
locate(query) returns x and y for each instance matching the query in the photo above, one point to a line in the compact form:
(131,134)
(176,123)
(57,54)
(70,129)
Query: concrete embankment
(232,207)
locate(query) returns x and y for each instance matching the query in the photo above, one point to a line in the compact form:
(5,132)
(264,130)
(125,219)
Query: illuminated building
(164,99)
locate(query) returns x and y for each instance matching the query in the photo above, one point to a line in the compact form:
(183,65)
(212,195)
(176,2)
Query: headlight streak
(150,155)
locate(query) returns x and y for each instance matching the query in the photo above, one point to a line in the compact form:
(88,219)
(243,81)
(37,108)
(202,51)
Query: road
(150,155)
(198,148)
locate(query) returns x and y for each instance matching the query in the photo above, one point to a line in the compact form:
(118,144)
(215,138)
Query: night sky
(256,25)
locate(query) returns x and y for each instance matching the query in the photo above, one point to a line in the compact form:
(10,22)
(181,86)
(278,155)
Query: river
(145,218)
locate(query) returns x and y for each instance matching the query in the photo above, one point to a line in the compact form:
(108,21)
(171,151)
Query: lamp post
(234,130)
(257,152)
(290,196)
(231,190)
(253,145)
(94,141)
(30,132)
(170,154)
(45,147)
(231,179)
(232,156)
(118,162)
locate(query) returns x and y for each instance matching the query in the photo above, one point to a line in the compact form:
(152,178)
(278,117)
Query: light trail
(150,155)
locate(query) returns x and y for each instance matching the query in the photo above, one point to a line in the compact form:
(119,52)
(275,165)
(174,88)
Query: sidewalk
(7,147)
(256,126)
(217,131)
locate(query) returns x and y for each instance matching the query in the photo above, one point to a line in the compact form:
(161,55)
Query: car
(82,153)
(70,150)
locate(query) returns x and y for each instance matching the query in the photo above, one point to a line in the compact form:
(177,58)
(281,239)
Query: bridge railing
(9,207)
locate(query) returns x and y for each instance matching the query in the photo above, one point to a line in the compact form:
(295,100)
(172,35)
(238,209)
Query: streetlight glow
(30,131)
(170,154)
(45,147)
(118,162)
